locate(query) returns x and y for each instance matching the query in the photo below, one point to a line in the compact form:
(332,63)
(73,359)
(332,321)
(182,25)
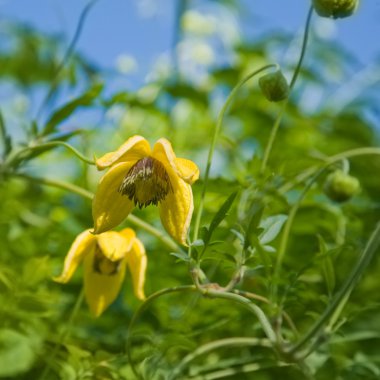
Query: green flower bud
(335,8)
(340,187)
(274,86)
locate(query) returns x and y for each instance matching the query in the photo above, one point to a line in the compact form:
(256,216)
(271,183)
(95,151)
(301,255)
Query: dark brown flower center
(147,182)
(103,265)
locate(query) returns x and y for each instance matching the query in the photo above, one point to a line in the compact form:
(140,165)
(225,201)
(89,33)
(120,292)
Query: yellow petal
(101,289)
(109,207)
(187,170)
(129,234)
(177,208)
(184,168)
(137,263)
(163,152)
(114,245)
(82,245)
(133,149)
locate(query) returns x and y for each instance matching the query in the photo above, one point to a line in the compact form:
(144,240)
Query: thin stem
(286,233)
(217,129)
(18,154)
(229,372)
(265,324)
(67,55)
(315,172)
(87,194)
(277,122)
(227,342)
(328,161)
(155,232)
(64,335)
(368,253)
(140,310)
(58,184)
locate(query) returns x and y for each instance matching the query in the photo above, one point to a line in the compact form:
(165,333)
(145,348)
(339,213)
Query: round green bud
(335,8)
(340,187)
(274,86)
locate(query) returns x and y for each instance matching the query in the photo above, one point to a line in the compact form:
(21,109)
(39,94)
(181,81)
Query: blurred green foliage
(244,217)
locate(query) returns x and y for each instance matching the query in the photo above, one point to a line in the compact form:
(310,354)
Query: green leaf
(327,266)
(272,227)
(181,256)
(219,216)
(255,217)
(69,108)
(17,353)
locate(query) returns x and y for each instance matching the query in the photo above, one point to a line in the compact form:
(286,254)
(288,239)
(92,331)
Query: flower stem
(368,253)
(277,122)
(64,335)
(265,324)
(18,155)
(217,129)
(227,342)
(140,310)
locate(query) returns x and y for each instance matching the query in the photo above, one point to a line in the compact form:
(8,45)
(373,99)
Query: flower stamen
(147,182)
(103,265)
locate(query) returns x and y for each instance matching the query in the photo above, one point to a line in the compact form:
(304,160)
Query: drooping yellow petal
(128,234)
(101,289)
(184,168)
(109,207)
(187,170)
(137,263)
(133,149)
(83,245)
(177,208)
(114,245)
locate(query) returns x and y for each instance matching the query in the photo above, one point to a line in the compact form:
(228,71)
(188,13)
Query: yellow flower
(141,176)
(105,258)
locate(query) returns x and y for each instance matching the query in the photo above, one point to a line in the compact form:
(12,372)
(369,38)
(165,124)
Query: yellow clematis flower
(105,258)
(139,175)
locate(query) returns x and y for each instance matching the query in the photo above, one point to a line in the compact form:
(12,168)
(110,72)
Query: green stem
(217,129)
(155,232)
(315,172)
(265,324)
(64,335)
(277,122)
(140,310)
(67,55)
(87,194)
(368,253)
(286,233)
(227,342)
(208,292)
(328,161)
(18,155)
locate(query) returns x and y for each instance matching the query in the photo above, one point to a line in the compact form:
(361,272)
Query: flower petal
(82,245)
(133,149)
(109,207)
(184,168)
(187,170)
(177,208)
(137,262)
(101,289)
(114,245)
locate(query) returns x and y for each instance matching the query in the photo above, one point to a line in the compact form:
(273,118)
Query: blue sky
(144,28)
